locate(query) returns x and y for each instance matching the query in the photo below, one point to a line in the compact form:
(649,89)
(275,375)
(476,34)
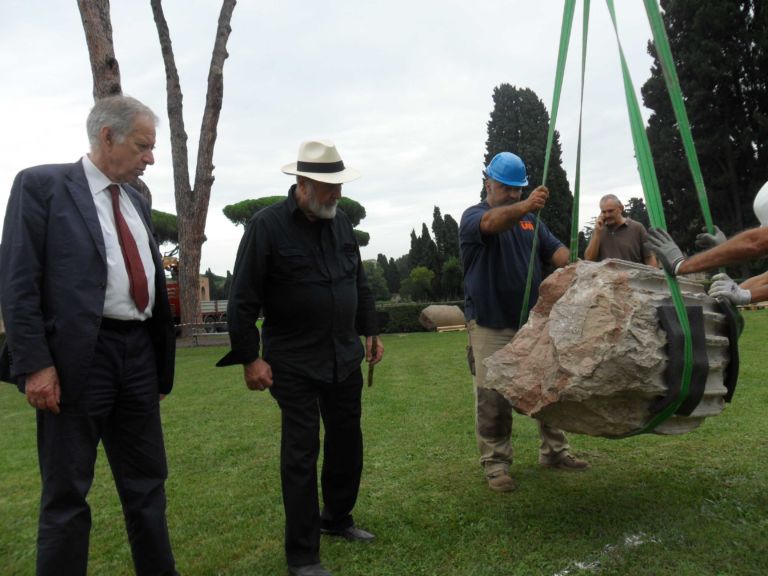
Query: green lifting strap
(574,251)
(646,168)
(565,35)
(655,211)
(675,94)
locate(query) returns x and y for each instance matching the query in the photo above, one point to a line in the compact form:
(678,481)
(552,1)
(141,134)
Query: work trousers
(119,407)
(303,402)
(493,413)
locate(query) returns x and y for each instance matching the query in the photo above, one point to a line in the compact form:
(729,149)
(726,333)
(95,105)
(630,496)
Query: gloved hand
(705,241)
(666,250)
(726,289)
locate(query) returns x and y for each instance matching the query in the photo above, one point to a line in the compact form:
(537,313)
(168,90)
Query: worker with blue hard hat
(496,239)
(507,168)
(745,246)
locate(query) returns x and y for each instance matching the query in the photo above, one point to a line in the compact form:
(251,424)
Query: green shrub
(404,316)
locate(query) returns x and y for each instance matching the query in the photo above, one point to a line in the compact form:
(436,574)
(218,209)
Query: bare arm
(758,286)
(755,281)
(759,293)
(502,218)
(560,257)
(748,245)
(593,248)
(651,260)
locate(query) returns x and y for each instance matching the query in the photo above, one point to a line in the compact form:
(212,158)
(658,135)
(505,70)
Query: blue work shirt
(496,267)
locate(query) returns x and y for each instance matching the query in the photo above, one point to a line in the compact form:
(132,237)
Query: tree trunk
(192,203)
(105,69)
(98,36)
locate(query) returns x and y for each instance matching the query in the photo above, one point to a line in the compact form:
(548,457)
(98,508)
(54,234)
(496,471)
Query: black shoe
(308,570)
(350,533)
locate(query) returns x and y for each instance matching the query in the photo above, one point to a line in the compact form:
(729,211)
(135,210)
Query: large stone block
(591,359)
(437,316)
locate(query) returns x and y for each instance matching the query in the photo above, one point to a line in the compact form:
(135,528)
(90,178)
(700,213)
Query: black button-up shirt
(308,280)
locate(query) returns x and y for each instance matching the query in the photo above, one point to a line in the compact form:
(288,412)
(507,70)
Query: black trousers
(120,408)
(303,402)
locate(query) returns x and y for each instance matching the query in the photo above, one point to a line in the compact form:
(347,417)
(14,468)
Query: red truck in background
(212,316)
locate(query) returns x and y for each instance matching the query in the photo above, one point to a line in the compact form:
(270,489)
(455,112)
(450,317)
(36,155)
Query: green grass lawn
(689,505)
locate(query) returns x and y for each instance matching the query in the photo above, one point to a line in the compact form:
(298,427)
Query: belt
(121,325)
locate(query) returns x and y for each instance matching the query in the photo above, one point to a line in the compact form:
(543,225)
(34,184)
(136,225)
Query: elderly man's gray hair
(118,113)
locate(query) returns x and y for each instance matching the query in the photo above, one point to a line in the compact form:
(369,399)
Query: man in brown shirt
(616,236)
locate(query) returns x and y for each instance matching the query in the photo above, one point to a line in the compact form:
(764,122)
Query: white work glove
(666,250)
(705,241)
(726,289)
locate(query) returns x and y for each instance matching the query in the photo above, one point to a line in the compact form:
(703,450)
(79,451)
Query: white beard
(320,211)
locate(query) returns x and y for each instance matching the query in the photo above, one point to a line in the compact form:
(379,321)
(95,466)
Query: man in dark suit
(90,337)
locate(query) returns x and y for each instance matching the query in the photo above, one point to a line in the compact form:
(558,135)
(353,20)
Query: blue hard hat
(507,168)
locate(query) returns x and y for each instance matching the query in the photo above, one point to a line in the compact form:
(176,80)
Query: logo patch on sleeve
(526,225)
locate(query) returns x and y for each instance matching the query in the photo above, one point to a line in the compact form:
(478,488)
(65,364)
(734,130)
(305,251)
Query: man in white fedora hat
(299,264)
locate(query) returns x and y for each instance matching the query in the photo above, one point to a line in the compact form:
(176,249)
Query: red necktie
(137,276)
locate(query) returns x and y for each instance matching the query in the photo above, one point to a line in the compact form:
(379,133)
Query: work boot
(564,461)
(501,481)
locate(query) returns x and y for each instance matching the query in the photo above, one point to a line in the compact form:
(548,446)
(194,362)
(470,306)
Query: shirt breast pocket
(293,264)
(349,259)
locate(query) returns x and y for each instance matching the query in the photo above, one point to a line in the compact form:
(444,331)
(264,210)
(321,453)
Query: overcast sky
(403,88)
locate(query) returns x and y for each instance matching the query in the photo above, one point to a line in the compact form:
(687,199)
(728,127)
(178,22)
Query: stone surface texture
(592,356)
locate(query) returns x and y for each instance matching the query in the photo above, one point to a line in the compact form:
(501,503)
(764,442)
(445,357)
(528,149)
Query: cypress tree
(519,124)
(720,48)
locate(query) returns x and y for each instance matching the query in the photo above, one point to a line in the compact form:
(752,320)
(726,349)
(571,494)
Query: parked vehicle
(212,315)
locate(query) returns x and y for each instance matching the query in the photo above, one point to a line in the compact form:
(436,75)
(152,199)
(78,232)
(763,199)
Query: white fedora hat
(319,160)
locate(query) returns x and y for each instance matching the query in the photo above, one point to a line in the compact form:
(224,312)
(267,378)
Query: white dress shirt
(118,303)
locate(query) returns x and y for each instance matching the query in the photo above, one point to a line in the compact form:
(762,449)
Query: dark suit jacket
(53,278)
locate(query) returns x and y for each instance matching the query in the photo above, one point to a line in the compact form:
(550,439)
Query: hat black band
(320,167)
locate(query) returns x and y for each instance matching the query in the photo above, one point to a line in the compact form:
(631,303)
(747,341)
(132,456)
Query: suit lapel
(77,184)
